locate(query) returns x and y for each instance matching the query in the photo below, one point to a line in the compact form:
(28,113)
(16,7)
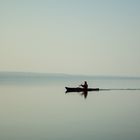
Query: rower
(85,85)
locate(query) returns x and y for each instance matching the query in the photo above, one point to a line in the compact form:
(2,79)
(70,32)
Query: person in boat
(85,85)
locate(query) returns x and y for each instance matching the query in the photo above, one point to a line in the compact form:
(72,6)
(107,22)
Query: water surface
(37,108)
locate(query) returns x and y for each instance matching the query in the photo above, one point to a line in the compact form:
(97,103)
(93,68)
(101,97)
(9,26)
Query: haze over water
(70,36)
(77,37)
(35,106)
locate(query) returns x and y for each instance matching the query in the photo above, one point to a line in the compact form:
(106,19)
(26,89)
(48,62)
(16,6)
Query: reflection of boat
(78,89)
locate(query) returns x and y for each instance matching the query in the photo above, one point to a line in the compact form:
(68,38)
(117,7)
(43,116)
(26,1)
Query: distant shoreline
(36,74)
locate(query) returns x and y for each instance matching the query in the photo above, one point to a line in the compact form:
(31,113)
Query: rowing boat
(78,89)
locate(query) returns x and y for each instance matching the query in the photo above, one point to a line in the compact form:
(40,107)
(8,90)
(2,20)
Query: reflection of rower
(85,85)
(85,93)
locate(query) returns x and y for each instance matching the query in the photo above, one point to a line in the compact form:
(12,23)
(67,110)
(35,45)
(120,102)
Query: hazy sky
(98,37)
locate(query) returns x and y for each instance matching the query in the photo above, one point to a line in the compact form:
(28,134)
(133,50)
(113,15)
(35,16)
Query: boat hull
(78,89)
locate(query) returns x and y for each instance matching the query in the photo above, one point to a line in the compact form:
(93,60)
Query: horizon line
(71,74)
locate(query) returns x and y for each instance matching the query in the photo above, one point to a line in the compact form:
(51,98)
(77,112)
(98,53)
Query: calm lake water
(37,108)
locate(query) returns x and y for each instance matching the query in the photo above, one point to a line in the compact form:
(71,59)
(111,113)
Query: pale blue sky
(97,37)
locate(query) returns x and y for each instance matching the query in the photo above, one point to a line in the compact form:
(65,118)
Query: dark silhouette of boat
(78,89)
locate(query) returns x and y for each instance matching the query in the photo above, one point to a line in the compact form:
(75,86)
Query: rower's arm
(82,85)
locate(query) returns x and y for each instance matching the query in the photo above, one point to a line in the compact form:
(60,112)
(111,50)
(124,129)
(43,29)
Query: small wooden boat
(78,89)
